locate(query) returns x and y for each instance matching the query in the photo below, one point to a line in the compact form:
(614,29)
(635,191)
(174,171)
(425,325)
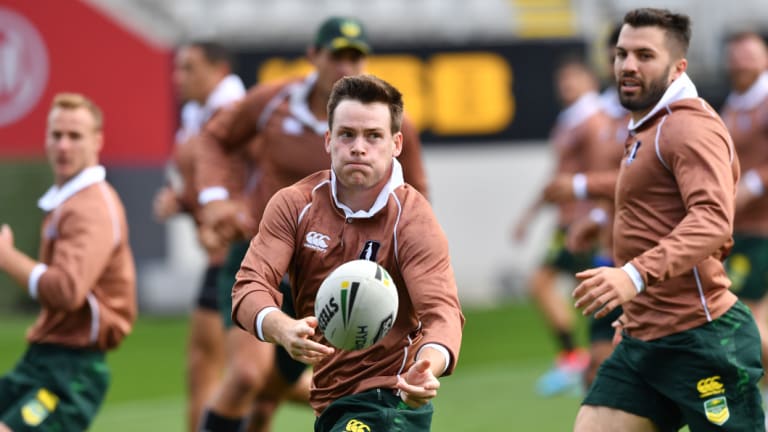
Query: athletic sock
(213,422)
(566,340)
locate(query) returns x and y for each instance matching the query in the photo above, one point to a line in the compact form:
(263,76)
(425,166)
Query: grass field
(504,350)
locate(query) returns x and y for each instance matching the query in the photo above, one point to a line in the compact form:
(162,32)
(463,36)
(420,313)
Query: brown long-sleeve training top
(400,232)
(86,279)
(674,214)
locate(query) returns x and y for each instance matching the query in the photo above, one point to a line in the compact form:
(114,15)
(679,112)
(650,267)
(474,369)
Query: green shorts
(747,266)
(290,369)
(376,410)
(561,259)
(53,388)
(601,329)
(706,377)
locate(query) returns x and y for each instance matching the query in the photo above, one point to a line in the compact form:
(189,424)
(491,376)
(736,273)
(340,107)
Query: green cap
(337,33)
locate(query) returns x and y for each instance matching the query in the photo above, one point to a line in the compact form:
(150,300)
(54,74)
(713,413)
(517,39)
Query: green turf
(504,351)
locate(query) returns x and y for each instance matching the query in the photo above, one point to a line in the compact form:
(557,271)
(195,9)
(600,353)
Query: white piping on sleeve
(656,144)
(701,293)
(94,306)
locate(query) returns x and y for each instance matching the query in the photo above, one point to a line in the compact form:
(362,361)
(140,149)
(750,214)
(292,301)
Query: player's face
(72,142)
(573,81)
(362,145)
(747,59)
(644,67)
(331,66)
(193,74)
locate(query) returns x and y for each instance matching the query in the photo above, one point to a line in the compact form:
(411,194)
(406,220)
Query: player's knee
(248,377)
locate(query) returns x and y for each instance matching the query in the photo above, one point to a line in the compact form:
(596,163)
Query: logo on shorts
(317,241)
(716,410)
(357,426)
(38,409)
(710,386)
(23,66)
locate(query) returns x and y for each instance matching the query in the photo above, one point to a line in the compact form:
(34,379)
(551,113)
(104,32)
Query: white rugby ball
(356,305)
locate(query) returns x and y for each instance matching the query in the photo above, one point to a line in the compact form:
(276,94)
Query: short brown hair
(77,100)
(367,89)
(677,26)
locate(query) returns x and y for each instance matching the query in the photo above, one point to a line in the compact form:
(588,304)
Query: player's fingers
(600,300)
(597,293)
(607,308)
(586,274)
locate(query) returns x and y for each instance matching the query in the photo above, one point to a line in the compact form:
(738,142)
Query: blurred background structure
(477,78)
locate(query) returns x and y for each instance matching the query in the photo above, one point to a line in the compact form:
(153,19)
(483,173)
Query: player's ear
(328,142)
(398,143)
(680,66)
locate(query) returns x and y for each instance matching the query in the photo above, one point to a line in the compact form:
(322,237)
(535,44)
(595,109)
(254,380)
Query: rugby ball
(356,305)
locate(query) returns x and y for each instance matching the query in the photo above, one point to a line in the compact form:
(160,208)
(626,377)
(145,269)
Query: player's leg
(249,364)
(556,307)
(604,419)
(205,349)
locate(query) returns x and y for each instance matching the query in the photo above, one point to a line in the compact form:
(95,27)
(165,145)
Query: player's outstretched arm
(295,336)
(13,262)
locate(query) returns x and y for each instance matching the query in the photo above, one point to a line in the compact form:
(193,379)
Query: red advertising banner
(51,46)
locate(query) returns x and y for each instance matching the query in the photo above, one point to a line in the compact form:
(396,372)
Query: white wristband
(598,216)
(637,279)
(754,183)
(212,194)
(260,320)
(580,186)
(34,279)
(442,350)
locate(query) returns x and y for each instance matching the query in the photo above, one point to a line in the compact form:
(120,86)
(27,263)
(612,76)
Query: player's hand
(520,229)
(165,204)
(6,242)
(559,190)
(295,335)
(419,385)
(618,327)
(744,196)
(602,290)
(582,235)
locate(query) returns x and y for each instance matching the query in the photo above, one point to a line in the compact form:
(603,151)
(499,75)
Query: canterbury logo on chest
(317,241)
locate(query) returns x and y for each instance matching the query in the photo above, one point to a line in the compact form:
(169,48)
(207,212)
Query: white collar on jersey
(681,88)
(395,181)
(194,115)
(751,98)
(610,104)
(56,195)
(584,107)
(299,107)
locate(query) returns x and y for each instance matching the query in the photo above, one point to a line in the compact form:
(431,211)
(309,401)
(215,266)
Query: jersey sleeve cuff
(439,348)
(580,186)
(637,279)
(214,193)
(260,320)
(599,216)
(34,279)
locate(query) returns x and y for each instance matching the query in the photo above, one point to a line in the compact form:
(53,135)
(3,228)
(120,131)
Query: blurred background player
(746,116)
(204,81)
(281,127)
(574,138)
(597,226)
(85,282)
